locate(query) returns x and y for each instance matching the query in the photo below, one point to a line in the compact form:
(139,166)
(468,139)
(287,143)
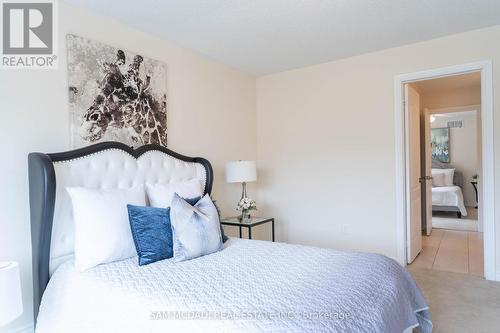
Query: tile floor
(452,251)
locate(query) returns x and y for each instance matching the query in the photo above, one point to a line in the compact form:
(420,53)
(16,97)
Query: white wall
(211,113)
(463,148)
(326,144)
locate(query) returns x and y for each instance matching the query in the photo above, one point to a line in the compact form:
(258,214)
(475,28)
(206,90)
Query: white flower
(247,204)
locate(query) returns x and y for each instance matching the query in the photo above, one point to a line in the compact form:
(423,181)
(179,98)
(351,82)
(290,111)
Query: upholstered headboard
(108,165)
(458,176)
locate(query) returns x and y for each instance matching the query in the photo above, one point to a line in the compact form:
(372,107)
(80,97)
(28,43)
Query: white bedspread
(250,286)
(449,196)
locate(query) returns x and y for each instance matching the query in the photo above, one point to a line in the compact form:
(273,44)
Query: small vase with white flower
(246,205)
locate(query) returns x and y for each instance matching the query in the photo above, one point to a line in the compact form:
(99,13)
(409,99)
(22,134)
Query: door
(413,173)
(426,174)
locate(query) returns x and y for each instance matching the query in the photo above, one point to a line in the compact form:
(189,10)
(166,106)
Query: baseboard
(497,278)
(28,328)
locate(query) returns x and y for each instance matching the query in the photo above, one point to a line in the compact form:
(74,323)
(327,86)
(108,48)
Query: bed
(449,198)
(249,286)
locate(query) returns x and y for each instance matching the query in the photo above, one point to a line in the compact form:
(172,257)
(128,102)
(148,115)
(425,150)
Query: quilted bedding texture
(249,286)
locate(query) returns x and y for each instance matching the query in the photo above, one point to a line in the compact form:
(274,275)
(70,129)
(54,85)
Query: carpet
(460,303)
(454,223)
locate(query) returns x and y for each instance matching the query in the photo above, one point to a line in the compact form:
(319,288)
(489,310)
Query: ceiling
(449,83)
(267,36)
(456,115)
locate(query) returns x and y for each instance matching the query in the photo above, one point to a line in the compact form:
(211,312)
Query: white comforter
(250,286)
(449,196)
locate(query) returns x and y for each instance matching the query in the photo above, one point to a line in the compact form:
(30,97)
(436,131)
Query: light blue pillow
(195,229)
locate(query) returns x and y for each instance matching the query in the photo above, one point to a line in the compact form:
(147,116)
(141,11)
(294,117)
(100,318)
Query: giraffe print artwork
(115,95)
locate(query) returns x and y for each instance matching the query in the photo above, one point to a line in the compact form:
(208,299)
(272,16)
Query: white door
(413,174)
(427,167)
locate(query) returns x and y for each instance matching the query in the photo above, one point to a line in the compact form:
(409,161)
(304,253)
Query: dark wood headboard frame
(42,194)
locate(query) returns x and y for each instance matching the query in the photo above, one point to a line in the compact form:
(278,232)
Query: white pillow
(102,230)
(438,180)
(195,229)
(160,195)
(448,175)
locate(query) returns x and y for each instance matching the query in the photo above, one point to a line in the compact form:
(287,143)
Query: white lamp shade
(11,303)
(241,172)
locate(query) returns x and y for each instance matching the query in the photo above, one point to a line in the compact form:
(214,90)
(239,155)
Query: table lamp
(241,172)
(11,303)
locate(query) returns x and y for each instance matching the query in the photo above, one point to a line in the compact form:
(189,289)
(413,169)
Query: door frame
(488,185)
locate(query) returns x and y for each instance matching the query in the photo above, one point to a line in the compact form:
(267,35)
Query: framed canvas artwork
(440,144)
(115,95)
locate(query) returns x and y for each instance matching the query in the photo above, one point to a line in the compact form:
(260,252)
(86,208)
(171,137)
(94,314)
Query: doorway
(425,162)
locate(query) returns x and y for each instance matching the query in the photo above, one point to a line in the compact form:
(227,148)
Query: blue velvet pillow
(224,237)
(152,232)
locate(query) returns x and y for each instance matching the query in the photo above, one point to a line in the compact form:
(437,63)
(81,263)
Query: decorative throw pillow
(448,175)
(152,232)
(224,237)
(195,229)
(438,180)
(160,195)
(102,231)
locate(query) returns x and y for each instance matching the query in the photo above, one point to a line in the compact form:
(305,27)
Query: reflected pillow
(195,229)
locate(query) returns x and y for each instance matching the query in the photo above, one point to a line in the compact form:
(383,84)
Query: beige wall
(326,144)
(463,148)
(454,98)
(211,112)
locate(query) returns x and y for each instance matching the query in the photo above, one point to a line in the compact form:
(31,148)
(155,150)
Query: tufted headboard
(107,165)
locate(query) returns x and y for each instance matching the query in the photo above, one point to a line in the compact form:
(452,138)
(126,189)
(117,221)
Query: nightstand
(248,223)
(474,183)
